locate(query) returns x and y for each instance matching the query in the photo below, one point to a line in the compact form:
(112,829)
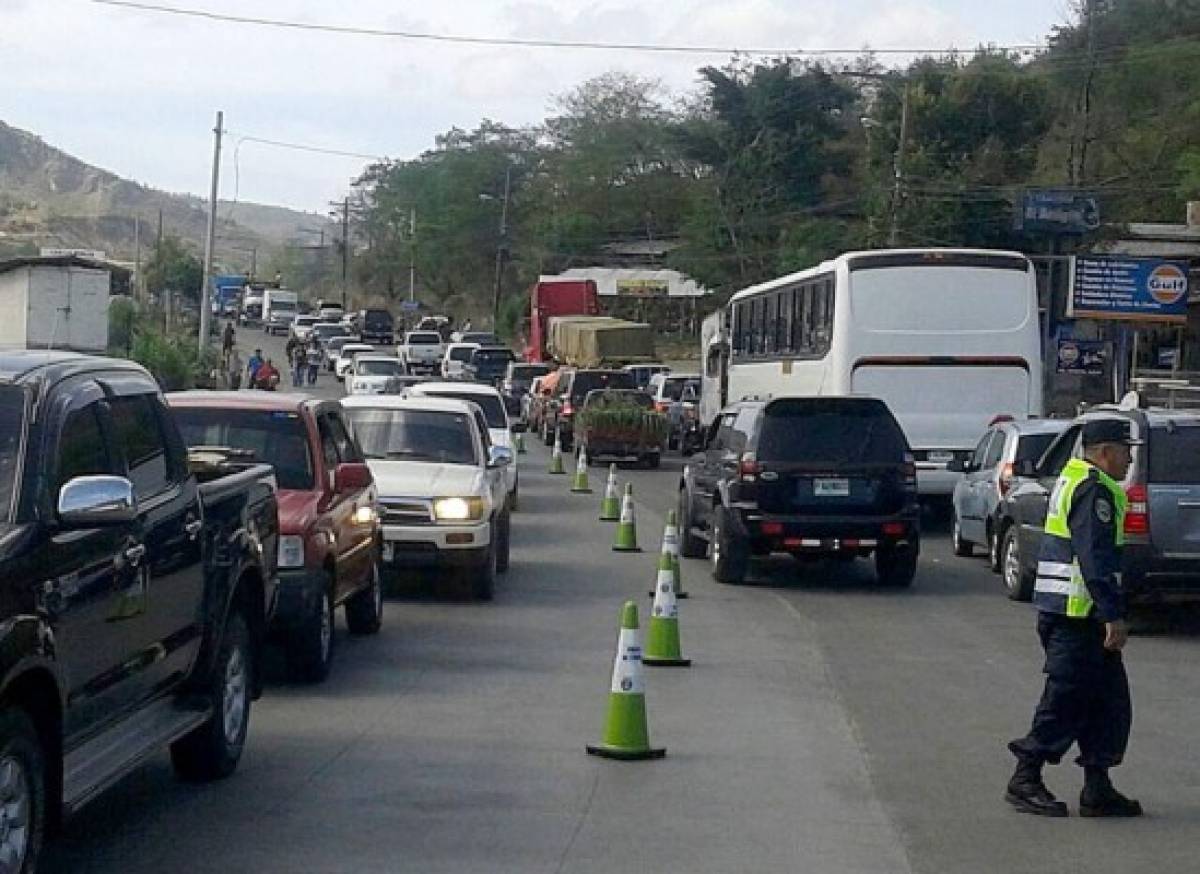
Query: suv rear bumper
(1149,573)
(827,534)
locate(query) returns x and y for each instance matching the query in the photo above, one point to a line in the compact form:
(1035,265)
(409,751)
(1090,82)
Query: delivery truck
(54,303)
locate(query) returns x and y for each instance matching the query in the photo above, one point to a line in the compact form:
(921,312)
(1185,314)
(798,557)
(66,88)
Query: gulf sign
(1167,284)
(1128,289)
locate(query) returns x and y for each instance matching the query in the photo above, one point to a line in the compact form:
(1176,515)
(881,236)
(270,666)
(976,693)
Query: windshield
(1031,447)
(424,339)
(830,432)
(306,320)
(672,389)
(277,438)
(414,435)
(390,367)
(492,406)
(287,305)
(12,419)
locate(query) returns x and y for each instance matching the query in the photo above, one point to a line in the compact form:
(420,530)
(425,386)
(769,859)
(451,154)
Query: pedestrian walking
(313,356)
(253,366)
(228,339)
(1081,624)
(299,364)
(233,367)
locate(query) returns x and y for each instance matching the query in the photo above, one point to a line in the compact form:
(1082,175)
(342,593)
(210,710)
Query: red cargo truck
(556,297)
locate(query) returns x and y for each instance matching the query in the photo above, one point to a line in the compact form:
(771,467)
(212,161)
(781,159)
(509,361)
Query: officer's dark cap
(1100,431)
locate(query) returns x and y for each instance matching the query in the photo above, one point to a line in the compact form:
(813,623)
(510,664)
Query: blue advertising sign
(1130,289)
(1058,212)
(1082,357)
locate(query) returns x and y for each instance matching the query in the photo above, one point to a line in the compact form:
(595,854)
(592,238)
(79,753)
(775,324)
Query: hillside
(50,198)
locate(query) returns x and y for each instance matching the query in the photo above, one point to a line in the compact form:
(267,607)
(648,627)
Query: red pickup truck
(329,533)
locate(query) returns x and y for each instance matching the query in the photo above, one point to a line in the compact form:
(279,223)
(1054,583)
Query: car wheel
(690,546)
(484,584)
(504,544)
(993,548)
(730,558)
(514,500)
(1018,582)
(212,751)
(962,547)
(896,566)
(22,792)
(364,611)
(310,649)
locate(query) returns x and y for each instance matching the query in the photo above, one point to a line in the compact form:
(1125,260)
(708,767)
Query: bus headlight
(458,509)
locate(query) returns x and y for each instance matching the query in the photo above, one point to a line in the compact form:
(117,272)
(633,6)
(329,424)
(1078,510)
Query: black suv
(376,326)
(573,388)
(813,477)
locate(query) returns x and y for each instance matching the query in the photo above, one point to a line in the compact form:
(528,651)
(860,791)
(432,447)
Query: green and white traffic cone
(626,734)
(580,485)
(519,441)
(662,637)
(668,557)
(626,539)
(610,507)
(556,462)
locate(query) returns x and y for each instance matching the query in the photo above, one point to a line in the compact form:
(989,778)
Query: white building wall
(14,303)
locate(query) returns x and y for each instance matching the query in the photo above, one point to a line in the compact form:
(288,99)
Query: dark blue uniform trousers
(1086,699)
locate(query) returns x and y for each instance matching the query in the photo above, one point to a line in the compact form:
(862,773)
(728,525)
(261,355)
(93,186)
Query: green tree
(173,268)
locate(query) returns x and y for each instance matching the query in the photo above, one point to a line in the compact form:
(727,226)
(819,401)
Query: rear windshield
(413,435)
(527,372)
(827,431)
(328,332)
(619,398)
(306,320)
(585,382)
(378,317)
(275,438)
(1031,447)
(283,304)
(1174,454)
(492,356)
(492,406)
(391,367)
(672,389)
(12,417)
(462,353)
(429,339)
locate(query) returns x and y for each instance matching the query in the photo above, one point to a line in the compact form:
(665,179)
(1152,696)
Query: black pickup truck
(133,597)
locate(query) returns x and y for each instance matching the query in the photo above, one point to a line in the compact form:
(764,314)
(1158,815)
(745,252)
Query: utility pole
(210,237)
(898,170)
(501,250)
(137,256)
(345,249)
(412,253)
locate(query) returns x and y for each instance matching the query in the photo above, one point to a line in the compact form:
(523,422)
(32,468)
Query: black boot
(1099,798)
(1028,794)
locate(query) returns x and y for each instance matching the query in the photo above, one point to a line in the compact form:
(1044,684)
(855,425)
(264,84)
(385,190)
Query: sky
(136,92)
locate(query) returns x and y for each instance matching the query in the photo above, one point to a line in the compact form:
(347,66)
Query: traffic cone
(519,441)
(580,485)
(662,638)
(610,507)
(556,462)
(668,558)
(626,539)
(626,735)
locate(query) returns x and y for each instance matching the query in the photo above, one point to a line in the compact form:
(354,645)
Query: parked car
(620,423)
(421,351)
(1162,522)
(668,390)
(301,328)
(455,359)
(573,386)
(345,359)
(488,364)
(329,534)
(810,476)
(500,430)
(987,476)
(376,326)
(642,373)
(371,373)
(136,593)
(441,485)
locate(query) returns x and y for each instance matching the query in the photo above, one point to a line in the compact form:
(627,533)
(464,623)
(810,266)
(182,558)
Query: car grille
(406,511)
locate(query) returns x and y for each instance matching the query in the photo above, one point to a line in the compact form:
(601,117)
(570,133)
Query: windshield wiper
(409,453)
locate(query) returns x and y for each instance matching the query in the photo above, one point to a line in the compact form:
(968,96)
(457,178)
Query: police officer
(1081,623)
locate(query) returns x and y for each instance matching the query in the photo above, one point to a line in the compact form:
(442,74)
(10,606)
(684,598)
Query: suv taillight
(567,409)
(1137,515)
(1004,482)
(748,467)
(910,471)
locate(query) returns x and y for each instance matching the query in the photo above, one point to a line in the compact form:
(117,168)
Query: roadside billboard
(1082,357)
(1128,289)
(1058,212)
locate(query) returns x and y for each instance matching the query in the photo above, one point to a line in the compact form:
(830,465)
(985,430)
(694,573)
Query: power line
(353,30)
(301,147)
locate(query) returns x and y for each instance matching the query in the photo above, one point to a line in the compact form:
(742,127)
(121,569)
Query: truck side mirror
(351,477)
(95,501)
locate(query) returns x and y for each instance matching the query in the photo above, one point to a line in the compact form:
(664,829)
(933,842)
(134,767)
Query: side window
(82,450)
(980,453)
(329,452)
(724,438)
(177,455)
(481,424)
(347,450)
(1059,453)
(743,426)
(140,438)
(996,449)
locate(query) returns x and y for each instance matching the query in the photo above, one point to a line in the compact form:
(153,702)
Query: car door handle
(193,528)
(135,554)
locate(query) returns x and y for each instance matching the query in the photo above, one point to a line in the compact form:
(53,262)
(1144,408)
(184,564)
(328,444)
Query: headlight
(291,551)
(364,515)
(458,509)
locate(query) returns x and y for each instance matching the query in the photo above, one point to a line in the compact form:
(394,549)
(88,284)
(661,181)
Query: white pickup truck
(422,352)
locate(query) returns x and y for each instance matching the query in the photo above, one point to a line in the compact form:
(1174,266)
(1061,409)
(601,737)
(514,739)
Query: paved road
(826,726)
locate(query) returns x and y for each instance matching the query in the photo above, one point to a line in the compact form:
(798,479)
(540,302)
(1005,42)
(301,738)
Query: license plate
(941,456)
(389,552)
(831,488)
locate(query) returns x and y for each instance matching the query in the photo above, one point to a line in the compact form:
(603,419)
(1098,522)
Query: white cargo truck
(54,303)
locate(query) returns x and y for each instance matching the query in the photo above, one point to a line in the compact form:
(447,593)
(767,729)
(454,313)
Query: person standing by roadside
(1081,623)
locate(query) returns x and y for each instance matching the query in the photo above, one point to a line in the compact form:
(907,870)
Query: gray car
(988,475)
(1162,522)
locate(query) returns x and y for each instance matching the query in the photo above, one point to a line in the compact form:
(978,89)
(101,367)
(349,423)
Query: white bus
(948,338)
